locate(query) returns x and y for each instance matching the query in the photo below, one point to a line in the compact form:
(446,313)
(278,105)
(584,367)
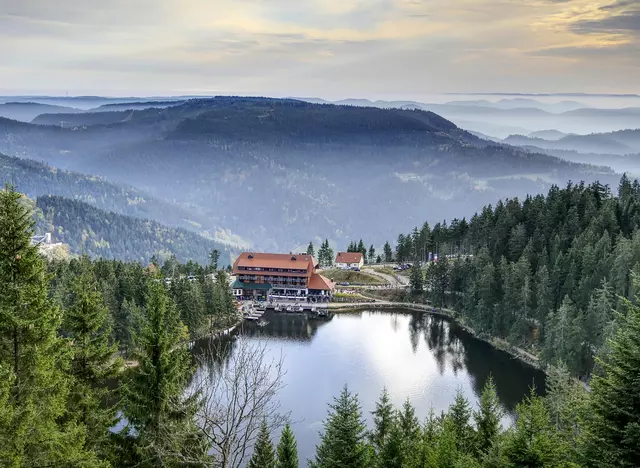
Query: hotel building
(279,276)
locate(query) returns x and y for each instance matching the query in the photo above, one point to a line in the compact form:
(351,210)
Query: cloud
(620,17)
(315,46)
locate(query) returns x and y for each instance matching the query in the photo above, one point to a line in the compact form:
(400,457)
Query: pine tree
(383,418)
(460,414)
(160,416)
(372,254)
(189,299)
(567,403)
(329,254)
(410,430)
(343,443)
(263,453)
(446,450)
(544,298)
(93,361)
(393,453)
(534,442)
(34,390)
(488,417)
(310,249)
(613,430)
(416,278)
(214,257)
(287,451)
(409,422)
(127,325)
(362,249)
(388,253)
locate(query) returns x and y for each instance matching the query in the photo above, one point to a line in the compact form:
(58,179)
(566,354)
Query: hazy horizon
(381,49)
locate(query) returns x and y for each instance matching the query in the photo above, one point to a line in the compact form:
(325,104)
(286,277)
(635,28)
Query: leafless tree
(239,389)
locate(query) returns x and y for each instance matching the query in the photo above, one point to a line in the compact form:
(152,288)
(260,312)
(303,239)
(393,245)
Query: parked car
(355,269)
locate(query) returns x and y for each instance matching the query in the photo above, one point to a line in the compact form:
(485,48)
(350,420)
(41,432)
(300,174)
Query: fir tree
(263,453)
(372,254)
(343,441)
(287,450)
(329,254)
(417,278)
(460,414)
(613,430)
(534,443)
(214,258)
(409,422)
(93,361)
(388,253)
(310,249)
(383,418)
(162,418)
(362,249)
(34,390)
(410,431)
(487,418)
(393,453)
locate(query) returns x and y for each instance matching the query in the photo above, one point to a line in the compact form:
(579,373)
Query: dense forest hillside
(36,179)
(71,323)
(546,273)
(99,233)
(282,172)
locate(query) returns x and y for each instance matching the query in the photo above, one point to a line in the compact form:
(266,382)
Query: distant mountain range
(621,142)
(282,172)
(548,134)
(504,117)
(27,111)
(556,107)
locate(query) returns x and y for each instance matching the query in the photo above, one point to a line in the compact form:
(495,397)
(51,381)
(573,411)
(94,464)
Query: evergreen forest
(95,364)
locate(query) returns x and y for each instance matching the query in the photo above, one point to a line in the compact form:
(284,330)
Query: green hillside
(110,235)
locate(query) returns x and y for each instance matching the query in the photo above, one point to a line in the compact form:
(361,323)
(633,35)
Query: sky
(382,49)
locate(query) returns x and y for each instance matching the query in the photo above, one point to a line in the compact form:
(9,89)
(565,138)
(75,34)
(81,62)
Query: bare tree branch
(239,383)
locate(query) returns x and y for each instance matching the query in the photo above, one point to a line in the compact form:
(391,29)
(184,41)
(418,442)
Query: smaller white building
(347,260)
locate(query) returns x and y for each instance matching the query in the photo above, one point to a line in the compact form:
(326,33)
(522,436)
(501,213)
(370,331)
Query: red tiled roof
(349,257)
(271,260)
(319,282)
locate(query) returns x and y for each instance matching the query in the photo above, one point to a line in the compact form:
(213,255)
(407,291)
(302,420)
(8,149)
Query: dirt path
(401,281)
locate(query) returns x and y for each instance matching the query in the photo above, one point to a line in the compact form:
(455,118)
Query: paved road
(402,281)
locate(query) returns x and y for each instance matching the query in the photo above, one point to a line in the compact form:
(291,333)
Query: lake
(414,355)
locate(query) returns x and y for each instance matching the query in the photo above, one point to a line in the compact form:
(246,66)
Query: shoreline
(497,343)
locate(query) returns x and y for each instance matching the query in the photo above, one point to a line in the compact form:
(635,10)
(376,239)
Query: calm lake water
(414,355)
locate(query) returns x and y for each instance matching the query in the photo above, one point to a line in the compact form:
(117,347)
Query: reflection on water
(415,355)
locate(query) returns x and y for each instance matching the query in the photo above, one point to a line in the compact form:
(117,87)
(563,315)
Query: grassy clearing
(349,276)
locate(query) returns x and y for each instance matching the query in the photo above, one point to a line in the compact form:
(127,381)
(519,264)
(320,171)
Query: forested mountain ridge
(282,172)
(286,120)
(36,179)
(99,233)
